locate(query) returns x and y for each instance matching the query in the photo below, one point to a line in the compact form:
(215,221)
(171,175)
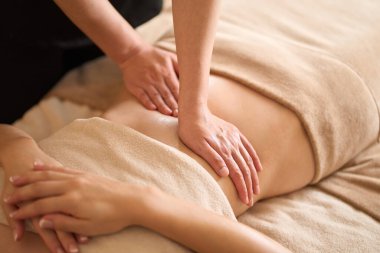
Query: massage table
(340,213)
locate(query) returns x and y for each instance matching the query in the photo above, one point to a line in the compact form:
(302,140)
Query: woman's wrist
(150,202)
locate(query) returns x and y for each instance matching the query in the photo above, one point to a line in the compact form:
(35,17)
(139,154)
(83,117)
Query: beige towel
(116,151)
(321,59)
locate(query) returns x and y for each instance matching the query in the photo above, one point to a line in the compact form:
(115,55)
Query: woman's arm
(202,230)
(18,152)
(113,205)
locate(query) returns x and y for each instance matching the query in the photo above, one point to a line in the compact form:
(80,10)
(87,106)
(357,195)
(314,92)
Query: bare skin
(278,138)
(274,131)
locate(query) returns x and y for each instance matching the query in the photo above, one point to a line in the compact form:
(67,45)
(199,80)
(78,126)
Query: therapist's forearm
(99,20)
(194,27)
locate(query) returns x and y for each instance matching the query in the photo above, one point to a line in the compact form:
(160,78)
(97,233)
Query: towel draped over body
(320,59)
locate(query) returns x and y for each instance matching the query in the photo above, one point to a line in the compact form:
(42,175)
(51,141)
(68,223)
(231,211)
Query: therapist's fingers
(249,162)
(233,169)
(143,97)
(175,64)
(157,99)
(237,178)
(214,159)
(173,84)
(252,153)
(168,97)
(246,172)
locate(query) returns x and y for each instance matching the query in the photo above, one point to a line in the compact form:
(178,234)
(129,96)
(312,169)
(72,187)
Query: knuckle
(75,197)
(217,161)
(166,93)
(78,182)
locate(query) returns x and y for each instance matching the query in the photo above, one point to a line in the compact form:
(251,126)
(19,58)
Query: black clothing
(38,44)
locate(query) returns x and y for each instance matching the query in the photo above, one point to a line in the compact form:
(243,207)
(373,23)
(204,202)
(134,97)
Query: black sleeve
(38,44)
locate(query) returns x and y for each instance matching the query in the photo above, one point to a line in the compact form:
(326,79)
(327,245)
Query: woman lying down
(126,176)
(89,202)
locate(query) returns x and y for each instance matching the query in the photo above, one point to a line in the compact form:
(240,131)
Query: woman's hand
(16,158)
(77,202)
(151,76)
(223,146)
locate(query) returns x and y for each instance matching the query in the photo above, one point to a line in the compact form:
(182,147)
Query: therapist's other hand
(226,149)
(151,75)
(77,202)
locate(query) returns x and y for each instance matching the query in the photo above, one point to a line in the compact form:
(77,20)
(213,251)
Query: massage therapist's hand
(18,158)
(150,75)
(223,146)
(78,202)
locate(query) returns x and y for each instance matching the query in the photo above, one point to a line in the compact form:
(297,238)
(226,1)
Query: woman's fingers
(68,241)
(157,99)
(31,177)
(36,190)
(16,225)
(40,207)
(49,237)
(82,238)
(41,167)
(64,223)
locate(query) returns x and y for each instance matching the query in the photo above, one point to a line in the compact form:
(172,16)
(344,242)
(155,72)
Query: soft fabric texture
(306,63)
(113,150)
(328,44)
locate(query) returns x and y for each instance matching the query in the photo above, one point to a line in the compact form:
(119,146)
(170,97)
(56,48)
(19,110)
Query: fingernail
(6,199)
(257,189)
(59,250)
(45,223)
(38,163)
(13,179)
(223,172)
(15,235)
(73,249)
(83,238)
(251,202)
